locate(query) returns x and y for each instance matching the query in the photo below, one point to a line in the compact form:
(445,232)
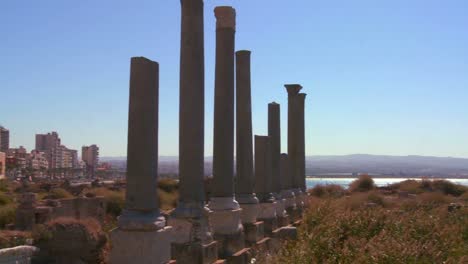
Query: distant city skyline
(381,77)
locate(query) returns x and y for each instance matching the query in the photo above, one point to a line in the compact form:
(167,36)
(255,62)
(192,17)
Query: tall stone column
(226,216)
(274,132)
(293,155)
(245,182)
(192,234)
(301,143)
(263,183)
(245,193)
(141,234)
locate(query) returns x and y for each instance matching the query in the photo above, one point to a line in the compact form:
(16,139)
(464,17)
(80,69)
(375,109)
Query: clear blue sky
(382,77)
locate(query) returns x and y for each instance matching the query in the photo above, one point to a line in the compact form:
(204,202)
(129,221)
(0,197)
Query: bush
(330,190)
(86,234)
(115,199)
(4,199)
(168,185)
(7,214)
(58,193)
(363,184)
(167,200)
(410,186)
(448,187)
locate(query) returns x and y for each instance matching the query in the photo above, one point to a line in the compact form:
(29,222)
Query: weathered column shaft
(301,142)
(274,132)
(142,235)
(286,184)
(192,104)
(263,184)
(293,91)
(223,137)
(244,151)
(142,148)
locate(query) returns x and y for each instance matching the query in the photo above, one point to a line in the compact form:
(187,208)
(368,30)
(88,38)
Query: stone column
(192,235)
(301,143)
(245,193)
(274,132)
(141,234)
(293,91)
(226,217)
(263,183)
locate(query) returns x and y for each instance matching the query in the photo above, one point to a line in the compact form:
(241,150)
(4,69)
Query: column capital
(273,103)
(243,53)
(302,96)
(293,89)
(225,17)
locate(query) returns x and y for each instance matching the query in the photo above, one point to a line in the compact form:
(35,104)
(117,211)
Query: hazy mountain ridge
(376,164)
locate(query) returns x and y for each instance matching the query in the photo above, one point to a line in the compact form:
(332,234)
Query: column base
(254,232)
(249,213)
(190,223)
(280,208)
(226,222)
(284,220)
(290,199)
(145,247)
(228,245)
(267,214)
(194,253)
(285,232)
(298,198)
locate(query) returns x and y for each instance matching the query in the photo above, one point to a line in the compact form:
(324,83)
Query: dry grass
(347,230)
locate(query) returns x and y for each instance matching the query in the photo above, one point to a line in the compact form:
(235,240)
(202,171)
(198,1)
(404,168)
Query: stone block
(249,213)
(228,245)
(195,253)
(148,247)
(226,222)
(269,224)
(283,221)
(241,257)
(267,210)
(285,232)
(254,232)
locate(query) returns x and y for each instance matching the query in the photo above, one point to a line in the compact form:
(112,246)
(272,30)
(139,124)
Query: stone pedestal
(249,213)
(228,231)
(267,214)
(150,247)
(254,232)
(289,199)
(196,252)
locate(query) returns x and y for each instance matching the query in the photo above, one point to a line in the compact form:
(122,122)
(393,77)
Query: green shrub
(4,199)
(448,187)
(7,214)
(115,199)
(329,190)
(167,200)
(363,184)
(168,185)
(58,193)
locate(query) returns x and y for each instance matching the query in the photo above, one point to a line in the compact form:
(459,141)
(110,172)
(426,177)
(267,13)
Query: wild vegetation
(409,222)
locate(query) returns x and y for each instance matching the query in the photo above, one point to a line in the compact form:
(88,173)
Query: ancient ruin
(274,132)
(192,237)
(293,154)
(31,212)
(226,216)
(142,231)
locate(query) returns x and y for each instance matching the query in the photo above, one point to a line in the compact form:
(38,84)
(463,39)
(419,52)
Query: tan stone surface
(141,247)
